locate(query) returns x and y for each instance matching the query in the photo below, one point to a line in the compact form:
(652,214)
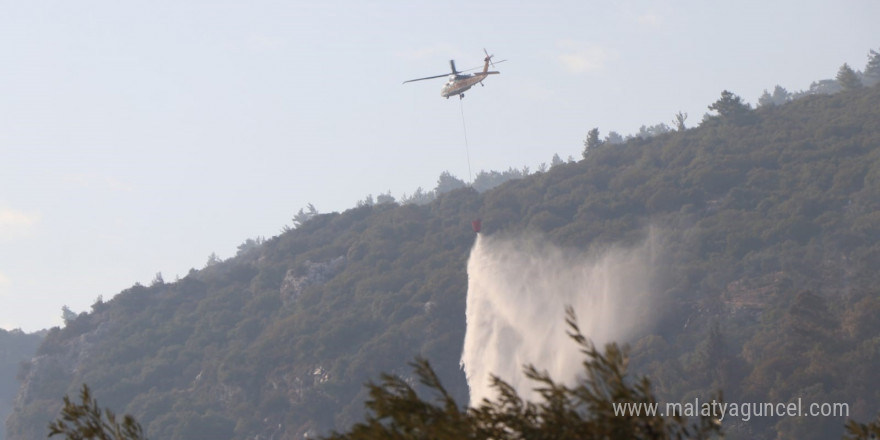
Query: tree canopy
(592,142)
(731,108)
(86,421)
(872,68)
(591,409)
(848,78)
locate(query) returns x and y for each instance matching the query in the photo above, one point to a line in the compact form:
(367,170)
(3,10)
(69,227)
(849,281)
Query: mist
(518,288)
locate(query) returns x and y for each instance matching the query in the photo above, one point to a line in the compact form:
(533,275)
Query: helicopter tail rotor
(488,57)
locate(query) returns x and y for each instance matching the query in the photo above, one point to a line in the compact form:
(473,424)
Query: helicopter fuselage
(458,84)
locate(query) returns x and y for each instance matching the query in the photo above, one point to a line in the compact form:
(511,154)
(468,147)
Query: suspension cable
(466,147)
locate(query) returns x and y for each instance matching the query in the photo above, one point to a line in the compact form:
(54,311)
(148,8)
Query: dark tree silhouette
(592,142)
(86,421)
(588,410)
(680,117)
(848,78)
(872,69)
(731,108)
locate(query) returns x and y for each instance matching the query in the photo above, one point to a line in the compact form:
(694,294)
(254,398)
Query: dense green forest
(770,223)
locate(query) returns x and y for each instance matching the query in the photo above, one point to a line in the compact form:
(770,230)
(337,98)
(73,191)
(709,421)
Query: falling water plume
(518,289)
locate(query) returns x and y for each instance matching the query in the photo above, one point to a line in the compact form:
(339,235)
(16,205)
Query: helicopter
(460,82)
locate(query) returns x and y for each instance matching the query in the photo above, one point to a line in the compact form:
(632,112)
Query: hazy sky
(140,137)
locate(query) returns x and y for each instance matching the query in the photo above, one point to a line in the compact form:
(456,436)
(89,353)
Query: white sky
(139,137)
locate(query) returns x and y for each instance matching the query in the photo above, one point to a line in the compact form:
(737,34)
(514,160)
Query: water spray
(518,289)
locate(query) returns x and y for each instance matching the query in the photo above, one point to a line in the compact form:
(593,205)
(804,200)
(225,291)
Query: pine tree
(872,69)
(447,182)
(731,108)
(680,117)
(862,431)
(766,99)
(848,78)
(592,142)
(780,95)
(304,215)
(86,421)
(588,410)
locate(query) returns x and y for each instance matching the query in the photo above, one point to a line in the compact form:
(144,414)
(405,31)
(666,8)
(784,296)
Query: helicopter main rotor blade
(427,77)
(480,67)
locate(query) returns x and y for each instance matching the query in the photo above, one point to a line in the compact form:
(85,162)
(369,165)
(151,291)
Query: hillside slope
(771,232)
(15,347)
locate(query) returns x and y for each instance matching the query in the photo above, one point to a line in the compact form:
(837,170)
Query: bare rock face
(315,273)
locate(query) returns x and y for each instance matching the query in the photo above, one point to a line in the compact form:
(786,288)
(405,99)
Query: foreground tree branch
(85,421)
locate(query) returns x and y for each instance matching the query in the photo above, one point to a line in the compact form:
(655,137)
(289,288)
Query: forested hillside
(770,224)
(16,347)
